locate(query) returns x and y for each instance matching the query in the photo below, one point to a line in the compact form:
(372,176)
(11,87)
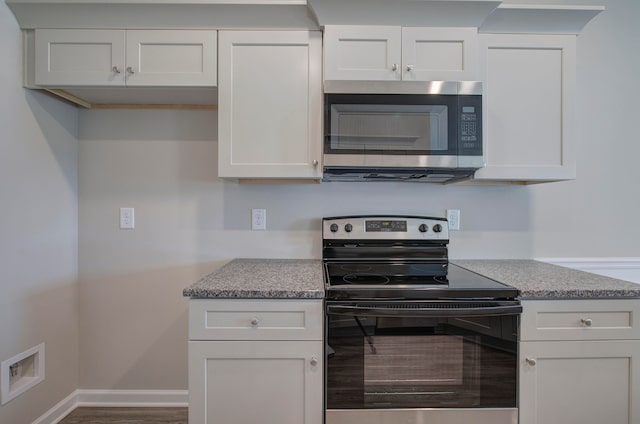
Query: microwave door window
(402,129)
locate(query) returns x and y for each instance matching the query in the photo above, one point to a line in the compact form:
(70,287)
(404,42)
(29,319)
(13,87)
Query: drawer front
(601,319)
(266,319)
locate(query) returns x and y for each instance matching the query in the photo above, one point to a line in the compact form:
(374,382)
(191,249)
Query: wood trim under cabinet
(64,95)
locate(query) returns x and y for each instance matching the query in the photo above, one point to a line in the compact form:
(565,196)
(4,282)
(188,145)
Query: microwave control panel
(470,125)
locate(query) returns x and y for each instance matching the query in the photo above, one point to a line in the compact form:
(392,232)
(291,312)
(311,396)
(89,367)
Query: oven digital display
(386,226)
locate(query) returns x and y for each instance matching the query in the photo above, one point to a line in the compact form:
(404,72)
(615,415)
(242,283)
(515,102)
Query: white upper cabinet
(133,58)
(378,53)
(362,53)
(79,57)
(270,105)
(439,54)
(529,89)
(171,58)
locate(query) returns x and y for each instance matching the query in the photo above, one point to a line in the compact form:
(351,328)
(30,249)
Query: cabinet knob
(530,361)
(315,163)
(130,70)
(409,67)
(394,67)
(313,361)
(587,322)
(115,70)
(255,321)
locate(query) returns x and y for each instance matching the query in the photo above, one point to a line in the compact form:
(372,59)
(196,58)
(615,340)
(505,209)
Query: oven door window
(391,124)
(382,362)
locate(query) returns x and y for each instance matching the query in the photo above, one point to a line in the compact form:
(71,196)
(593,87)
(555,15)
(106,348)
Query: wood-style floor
(86,415)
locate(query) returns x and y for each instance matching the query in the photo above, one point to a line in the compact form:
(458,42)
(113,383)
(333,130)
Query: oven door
(419,362)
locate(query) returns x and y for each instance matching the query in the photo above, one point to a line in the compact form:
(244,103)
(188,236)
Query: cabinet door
(585,382)
(171,58)
(270,104)
(79,57)
(528,105)
(362,53)
(440,54)
(255,382)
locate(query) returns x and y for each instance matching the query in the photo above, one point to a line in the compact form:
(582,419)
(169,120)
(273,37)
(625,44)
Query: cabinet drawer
(580,319)
(264,319)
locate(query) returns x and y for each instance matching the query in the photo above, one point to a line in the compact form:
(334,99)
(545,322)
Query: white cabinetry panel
(270,104)
(247,382)
(528,107)
(439,54)
(254,361)
(586,382)
(79,57)
(171,58)
(578,362)
(389,53)
(362,53)
(581,320)
(251,319)
(97,58)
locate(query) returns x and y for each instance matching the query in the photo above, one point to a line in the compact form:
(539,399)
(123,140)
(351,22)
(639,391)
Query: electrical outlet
(453,217)
(258,219)
(127,219)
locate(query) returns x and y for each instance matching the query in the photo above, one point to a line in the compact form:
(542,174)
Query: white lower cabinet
(584,382)
(589,381)
(275,378)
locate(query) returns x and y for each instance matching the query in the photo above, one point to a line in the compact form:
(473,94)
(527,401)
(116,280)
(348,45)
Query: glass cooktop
(357,280)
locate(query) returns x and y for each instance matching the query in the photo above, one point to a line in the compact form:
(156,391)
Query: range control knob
(333,228)
(423,228)
(437,228)
(348,228)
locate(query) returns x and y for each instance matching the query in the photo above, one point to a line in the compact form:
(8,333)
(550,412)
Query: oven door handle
(423,312)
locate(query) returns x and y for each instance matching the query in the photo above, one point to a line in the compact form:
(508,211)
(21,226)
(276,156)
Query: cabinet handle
(115,70)
(530,361)
(409,68)
(587,322)
(394,67)
(130,70)
(313,362)
(255,321)
(315,163)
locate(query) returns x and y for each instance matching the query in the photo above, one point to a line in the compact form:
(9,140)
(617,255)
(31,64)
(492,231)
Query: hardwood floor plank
(104,415)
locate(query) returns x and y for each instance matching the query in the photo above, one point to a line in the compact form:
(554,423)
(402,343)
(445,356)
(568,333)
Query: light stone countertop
(303,279)
(539,280)
(262,278)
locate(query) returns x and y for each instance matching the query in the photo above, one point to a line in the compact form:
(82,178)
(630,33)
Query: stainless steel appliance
(410,337)
(419,132)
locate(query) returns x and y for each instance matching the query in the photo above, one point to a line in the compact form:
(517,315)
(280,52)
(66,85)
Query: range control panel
(385,228)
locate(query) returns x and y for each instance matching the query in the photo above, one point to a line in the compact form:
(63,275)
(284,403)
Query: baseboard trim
(139,398)
(114,398)
(59,411)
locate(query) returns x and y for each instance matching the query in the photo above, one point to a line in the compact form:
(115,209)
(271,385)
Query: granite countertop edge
(538,280)
(303,279)
(248,278)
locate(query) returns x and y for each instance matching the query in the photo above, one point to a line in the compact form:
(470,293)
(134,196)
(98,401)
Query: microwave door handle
(423,312)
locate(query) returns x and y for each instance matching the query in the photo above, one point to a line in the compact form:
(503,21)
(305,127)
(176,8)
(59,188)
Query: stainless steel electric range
(410,337)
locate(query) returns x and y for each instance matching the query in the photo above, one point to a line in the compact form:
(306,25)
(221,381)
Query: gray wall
(38,231)
(189,222)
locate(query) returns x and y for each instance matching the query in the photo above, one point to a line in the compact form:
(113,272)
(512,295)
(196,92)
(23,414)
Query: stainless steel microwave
(413,131)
